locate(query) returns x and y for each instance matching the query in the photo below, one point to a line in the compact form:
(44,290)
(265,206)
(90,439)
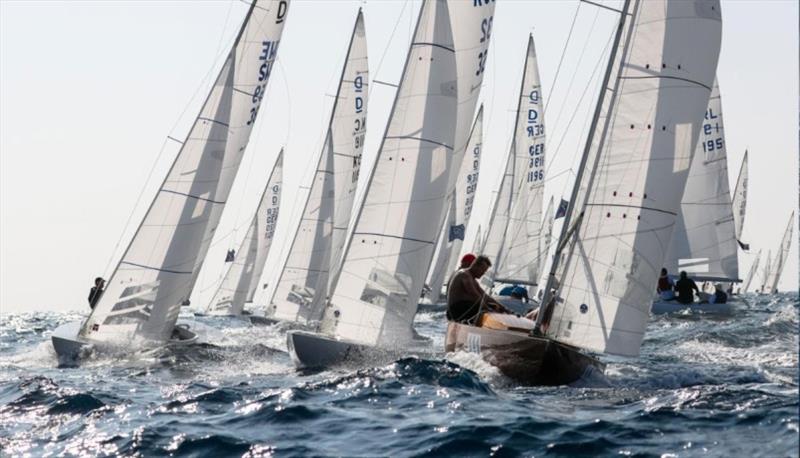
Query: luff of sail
(383,270)
(776,269)
(302,286)
(520,253)
(640,148)
(704,240)
(740,201)
(241,280)
(160,266)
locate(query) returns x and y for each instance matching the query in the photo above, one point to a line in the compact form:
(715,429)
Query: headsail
(637,156)
(547,235)
(740,202)
(478,242)
(519,260)
(375,298)
(241,280)
(775,271)
(751,273)
(160,266)
(303,283)
(704,240)
(498,220)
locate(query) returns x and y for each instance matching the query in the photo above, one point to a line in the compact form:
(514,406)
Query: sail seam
(156,268)
(408,137)
(435,45)
(213,120)
(665,77)
(192,196)
(633,206)
(393,237)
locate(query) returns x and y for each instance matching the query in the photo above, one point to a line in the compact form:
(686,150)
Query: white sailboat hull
(71,347)
(311,350)
(662,307)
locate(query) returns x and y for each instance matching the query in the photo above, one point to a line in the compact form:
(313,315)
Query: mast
(566,229)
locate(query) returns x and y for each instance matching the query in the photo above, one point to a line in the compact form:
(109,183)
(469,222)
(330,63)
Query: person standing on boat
(96,292)
(665,286)
(685,287)
(465,298)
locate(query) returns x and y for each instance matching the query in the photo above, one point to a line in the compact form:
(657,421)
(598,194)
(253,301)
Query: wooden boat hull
(71,347)
(521,357)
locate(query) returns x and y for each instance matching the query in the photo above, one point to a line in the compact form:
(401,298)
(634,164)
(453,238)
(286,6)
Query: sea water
(703,386)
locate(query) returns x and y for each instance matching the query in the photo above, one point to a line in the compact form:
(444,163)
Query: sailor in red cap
(466,260)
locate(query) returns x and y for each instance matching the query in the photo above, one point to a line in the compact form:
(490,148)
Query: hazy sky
(89,92)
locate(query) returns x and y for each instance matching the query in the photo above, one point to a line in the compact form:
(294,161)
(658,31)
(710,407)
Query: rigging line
(563,53)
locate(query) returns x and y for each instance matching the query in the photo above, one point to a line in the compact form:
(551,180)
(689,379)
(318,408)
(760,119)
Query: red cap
(467,259)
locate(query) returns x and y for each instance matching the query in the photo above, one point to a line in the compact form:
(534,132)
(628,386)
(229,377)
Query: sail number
(472,180)
(534,130)
(272,213)
(359,125)
(486,33)
(269,50)
(712,127)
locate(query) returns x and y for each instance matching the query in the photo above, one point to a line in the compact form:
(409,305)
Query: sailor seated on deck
(719,296)
(665,286)
(465,298)
(685,287)
(515,291)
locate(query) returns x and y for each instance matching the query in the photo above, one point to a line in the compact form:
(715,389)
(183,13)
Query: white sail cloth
(520,256)
(392,243)
(641,151)
(160,266)
(751,273)
(776,269)
(302,287)
(241,280)
(704,240)
(740,200)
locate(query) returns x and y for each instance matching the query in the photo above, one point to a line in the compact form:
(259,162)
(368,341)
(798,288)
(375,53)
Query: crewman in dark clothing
(684,287)
(96,292)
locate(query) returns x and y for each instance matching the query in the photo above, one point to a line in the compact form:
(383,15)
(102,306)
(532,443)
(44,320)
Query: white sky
(90,90)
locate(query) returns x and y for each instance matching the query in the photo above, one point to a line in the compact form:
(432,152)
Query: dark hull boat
(518,355)
(310,350)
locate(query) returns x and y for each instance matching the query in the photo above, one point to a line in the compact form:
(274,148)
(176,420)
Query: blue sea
(703,386)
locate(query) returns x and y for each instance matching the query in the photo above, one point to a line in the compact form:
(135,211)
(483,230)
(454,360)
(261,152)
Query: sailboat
(159,268)
(241,280)
(740,203)
(313,259)
(751,273)
(460,210)
(776,268)
(704,242)
(765,274)
(624,202)
(373,301)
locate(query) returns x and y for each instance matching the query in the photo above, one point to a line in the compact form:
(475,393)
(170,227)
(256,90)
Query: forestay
(520,253)
(740,200)
(375,298)
(645,133)
(241,280)
(160,266)
(704,240)
(775,271)
(316,248)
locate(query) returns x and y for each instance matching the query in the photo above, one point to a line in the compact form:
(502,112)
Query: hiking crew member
(96,292)
(465,298)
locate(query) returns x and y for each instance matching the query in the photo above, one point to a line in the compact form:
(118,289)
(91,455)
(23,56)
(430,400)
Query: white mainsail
(751,273)
(519,260)
(740,201)
(455,227)
(776,269)
(241,280)
(766,272)
(394,234)
(302,287)
(637,159)
(160,266)
(704,240)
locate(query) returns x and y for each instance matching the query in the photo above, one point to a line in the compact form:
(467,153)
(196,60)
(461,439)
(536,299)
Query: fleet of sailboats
(651,190)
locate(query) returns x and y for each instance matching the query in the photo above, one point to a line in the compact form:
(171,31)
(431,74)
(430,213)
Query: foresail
(751,273)
(241,280)
(775,271)
(547,235)
(383,270)
(704,240)
(520,260)
(642,146)
(160,266)
(740,199)
(303,283)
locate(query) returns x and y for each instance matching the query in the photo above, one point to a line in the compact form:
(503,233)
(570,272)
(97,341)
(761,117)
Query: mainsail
(621,214)
(704,240)
(160,266)
(776,269)
(241,280)
(519,257)
(751,273)
(740,202)
(394,234)
(315,251)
